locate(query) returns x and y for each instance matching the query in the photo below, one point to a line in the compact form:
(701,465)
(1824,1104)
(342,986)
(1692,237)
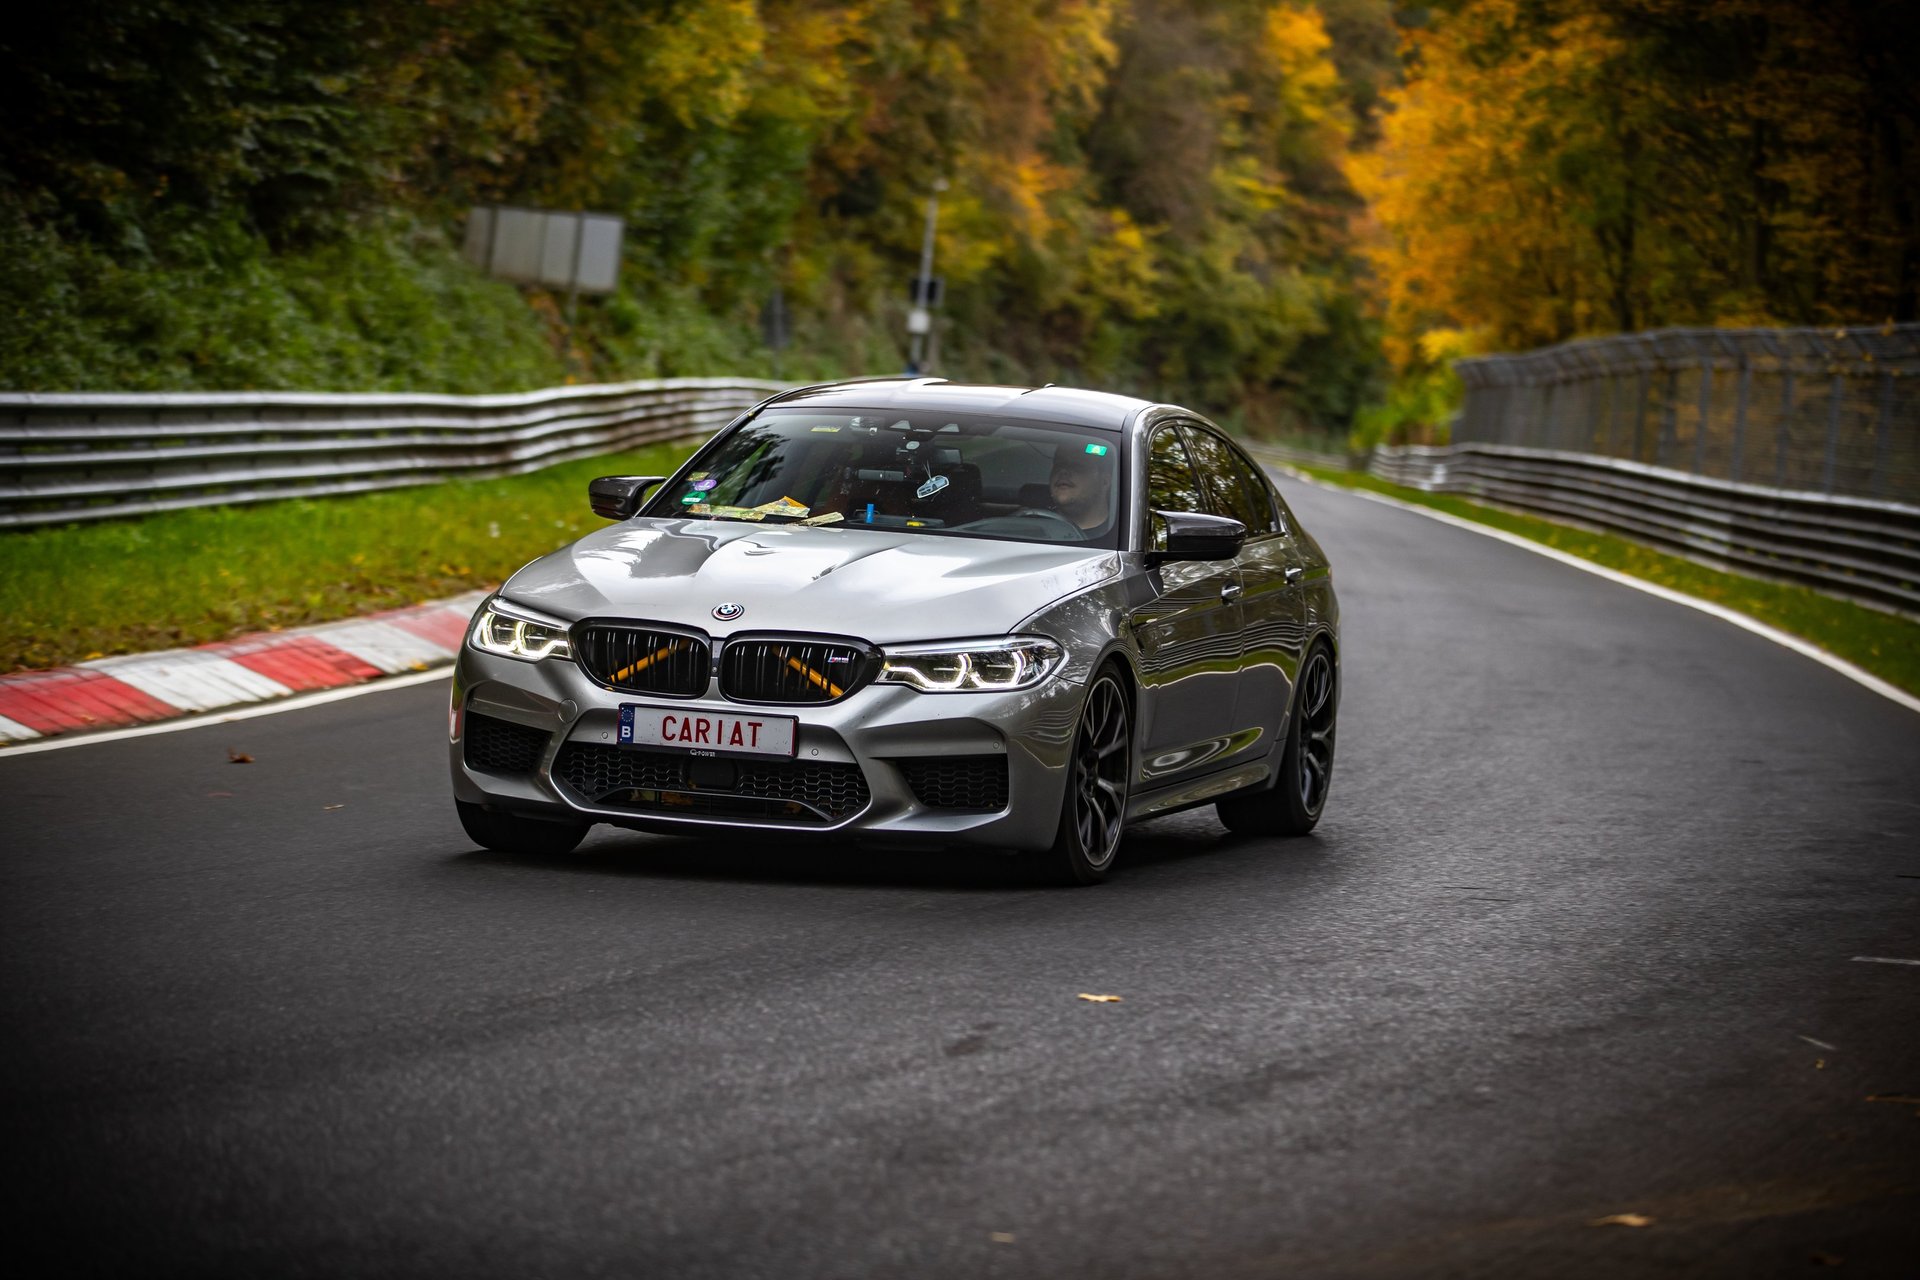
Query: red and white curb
(146,688)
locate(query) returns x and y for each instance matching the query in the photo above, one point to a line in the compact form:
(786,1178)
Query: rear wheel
(1094,811)
(511,833)
(1293,804)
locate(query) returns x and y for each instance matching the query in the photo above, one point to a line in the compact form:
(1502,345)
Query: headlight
(512,637)
(972,666)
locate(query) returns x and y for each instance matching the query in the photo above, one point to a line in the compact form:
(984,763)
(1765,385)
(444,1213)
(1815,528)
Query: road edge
(1746,622)
(133,695)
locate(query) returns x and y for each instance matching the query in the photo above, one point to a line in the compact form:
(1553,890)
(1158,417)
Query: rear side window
(1235,492)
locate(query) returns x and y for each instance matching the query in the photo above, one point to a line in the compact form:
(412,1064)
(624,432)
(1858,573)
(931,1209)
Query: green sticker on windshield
(1097,450)
(687,499)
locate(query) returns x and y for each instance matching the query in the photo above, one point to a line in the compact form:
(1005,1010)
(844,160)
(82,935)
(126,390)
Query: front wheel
(1095,808)
(510,833)
(1293,804)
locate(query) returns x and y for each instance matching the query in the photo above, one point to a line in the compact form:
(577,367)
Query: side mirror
(618,497)
(1194,536)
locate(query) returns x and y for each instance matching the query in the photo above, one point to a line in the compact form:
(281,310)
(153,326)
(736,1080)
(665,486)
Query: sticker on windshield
(699,475)
(688,499)
(705,483)
(933,485)
(826,431)
(1097,450)
(783,507)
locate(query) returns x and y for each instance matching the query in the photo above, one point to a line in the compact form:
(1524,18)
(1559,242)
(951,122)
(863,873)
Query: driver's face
(1079,488)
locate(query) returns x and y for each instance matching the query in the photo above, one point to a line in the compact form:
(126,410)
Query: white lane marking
(190,680)
(295,703)
(1786,640)
(1884,960)
(391,648)
(14,731)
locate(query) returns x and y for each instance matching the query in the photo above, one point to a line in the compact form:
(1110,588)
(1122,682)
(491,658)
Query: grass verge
(1886,645)
(189,577)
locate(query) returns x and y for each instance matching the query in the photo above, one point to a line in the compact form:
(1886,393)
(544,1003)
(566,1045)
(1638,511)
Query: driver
(1082,487)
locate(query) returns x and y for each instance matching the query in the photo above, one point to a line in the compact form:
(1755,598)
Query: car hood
(877,585)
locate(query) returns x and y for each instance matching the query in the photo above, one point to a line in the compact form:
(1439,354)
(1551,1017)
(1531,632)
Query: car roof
(1072,405)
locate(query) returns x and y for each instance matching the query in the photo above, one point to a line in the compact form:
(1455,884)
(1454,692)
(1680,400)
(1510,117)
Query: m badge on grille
(729,611)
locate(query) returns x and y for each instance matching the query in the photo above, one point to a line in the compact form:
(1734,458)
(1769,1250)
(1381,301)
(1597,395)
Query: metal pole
(1780,433)
(1740,413)
(1834,396)
(1882,433)
(923,285)
(1669,414)
(1706,412)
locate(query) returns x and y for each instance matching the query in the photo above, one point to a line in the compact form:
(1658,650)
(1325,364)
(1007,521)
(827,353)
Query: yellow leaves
(701,58)
(1100,999)
(1296,42)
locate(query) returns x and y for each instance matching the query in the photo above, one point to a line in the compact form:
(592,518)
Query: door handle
(1295,572)
(1231,591)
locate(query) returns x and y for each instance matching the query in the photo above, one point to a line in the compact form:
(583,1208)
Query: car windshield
(929,473)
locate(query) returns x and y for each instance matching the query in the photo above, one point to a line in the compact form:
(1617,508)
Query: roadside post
(924,345)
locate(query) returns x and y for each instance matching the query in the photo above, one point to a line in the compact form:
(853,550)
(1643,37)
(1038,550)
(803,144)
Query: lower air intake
(801,792)
(957,782)
(501,746)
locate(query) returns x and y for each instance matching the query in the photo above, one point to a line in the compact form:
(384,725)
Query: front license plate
(706,732)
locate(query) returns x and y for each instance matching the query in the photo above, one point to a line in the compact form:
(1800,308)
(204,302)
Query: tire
(1093,812)
(1293,804)
(509,833)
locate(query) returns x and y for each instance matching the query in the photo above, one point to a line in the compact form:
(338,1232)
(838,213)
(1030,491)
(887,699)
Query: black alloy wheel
(1313,746)
(1298,796)
(1094,812)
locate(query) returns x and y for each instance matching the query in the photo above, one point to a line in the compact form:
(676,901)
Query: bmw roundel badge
(729,611)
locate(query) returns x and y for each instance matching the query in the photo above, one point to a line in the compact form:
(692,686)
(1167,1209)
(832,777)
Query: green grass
(1886,645)
(189,577)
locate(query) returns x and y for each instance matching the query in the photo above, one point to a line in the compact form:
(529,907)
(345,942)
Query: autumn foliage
(1255,205)
(1550,169)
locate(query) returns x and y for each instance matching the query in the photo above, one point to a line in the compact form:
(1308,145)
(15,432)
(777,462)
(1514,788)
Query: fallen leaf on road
(1100,999)
(1003,1237)
(238,757)
(333,806)
(1894,1097)
(1622,1220)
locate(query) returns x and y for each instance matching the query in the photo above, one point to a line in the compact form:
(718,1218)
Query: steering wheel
(1078,532)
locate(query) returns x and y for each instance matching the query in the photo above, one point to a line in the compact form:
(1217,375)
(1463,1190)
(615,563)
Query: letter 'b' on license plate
(707,732)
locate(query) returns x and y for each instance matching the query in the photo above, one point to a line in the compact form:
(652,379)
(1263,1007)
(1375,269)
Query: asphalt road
(1590,884)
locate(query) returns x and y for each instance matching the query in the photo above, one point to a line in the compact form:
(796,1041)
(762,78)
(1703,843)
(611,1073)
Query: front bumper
(880,730)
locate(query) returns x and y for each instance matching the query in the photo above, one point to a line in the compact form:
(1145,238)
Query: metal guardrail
(71,457)
(1862,549)
(1832,411)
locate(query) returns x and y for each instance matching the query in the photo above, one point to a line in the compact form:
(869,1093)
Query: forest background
(1292,213)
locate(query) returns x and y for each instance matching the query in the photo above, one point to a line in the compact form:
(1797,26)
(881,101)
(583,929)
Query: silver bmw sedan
(920,613)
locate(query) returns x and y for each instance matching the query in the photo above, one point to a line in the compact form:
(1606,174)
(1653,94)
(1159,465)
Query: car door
(1188,633)
(1273,604)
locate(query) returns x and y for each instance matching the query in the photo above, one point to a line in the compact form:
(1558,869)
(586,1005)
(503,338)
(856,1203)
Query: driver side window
(1171,484)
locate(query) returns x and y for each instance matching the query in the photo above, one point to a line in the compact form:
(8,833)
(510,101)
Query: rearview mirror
(1192,535)
(618,497)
